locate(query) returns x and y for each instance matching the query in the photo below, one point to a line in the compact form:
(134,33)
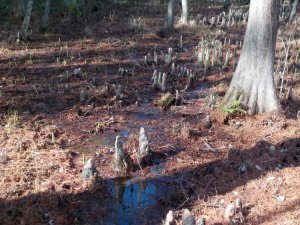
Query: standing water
(139,202)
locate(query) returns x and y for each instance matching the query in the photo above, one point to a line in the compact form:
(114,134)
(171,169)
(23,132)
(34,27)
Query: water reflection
(138,201)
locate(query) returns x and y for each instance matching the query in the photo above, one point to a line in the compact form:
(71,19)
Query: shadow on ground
(124,201)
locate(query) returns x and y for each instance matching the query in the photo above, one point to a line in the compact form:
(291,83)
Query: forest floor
(47,134)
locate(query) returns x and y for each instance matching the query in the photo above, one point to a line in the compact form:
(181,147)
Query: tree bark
(26,21)
(169,23)
(226,4)
(184,12)
(253,81)
(44,24)
(18,9)
(294,10)
(22,7)
(15,9)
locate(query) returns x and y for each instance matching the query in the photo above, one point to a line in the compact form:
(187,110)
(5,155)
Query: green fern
(232,108)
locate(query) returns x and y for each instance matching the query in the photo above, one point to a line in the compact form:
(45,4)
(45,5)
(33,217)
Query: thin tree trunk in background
(184,12)
(253,81)
(88,7)
(26,21)
(21,7)
(169,24)
(87,11)
(294,10)
(226,4)
(15,9)
(74,3)
(46,15)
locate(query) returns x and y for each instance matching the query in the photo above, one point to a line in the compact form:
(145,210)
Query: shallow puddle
(105,139)
(145,111)
(146,114)
(193,94)
(82,150)
(158,167)
(202,86)
(139,201)
(108,138)
(130,202)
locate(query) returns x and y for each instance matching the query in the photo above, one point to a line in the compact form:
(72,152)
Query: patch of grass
(30,59)
(12,121)
(233,108)
(185,132)
(137,24)
(99,126)
(166,100)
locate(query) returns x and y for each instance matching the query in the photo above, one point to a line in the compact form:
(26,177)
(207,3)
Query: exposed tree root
(252,101)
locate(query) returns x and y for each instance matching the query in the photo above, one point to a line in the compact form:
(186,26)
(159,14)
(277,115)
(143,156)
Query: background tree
(18,8)
(45,17)
(226,4)
(169,23)
(294,10)
(22,7)
(184,12)
(26,21)
(253,82)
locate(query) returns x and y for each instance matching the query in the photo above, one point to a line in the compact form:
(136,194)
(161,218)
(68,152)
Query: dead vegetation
(65,96)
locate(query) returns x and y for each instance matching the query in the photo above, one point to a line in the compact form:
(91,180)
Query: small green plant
(30,59)
(99,126)
(166,101)
(234,107)
(12,121)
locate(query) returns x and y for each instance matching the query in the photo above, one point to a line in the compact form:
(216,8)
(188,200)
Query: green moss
(234,107)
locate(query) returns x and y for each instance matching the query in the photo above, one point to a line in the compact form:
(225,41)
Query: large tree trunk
(184,12)
(169,24)
(26,21)
(44,24)
(294,10)
(253,81)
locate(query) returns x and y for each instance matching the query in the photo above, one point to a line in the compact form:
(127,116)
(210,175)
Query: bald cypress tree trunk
(294,10)
(22,7)
(253,81)
(44,24)
(15,9)
(226,4)
(184,12)
(26,21)
(169,23)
